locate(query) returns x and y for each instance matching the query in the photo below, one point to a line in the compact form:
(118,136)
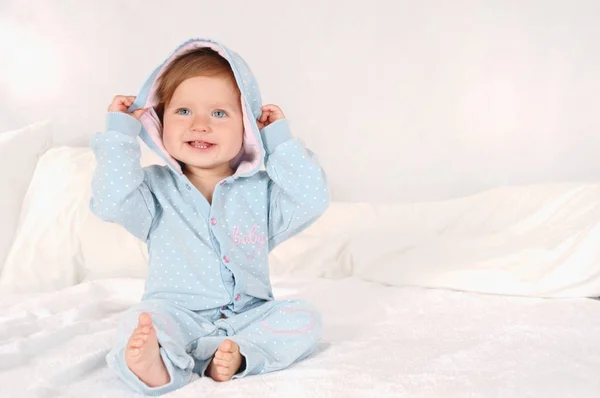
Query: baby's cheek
(171,142)
(170,132)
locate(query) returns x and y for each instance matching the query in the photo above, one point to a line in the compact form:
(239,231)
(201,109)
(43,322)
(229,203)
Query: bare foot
(142,355)
(226,362)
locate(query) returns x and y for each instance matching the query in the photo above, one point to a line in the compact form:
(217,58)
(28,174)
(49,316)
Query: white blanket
(378,342)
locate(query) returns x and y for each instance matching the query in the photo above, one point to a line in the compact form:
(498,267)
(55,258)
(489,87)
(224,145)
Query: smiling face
(203,123)
(199,106)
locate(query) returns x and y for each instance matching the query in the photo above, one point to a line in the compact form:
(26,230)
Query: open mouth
(200,145)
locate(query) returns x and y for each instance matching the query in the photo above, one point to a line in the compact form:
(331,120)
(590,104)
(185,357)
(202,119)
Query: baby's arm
(298,191)
(119,191)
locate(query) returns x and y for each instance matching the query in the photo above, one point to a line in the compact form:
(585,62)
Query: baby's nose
(200,124)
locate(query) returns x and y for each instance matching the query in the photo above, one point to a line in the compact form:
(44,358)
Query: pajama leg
(176,327)
(274,335)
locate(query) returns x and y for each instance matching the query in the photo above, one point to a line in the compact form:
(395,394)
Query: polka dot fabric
(271,336)
(208,271)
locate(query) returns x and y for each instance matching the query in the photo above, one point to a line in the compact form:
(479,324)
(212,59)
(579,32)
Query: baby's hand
(122,102)
(270,114)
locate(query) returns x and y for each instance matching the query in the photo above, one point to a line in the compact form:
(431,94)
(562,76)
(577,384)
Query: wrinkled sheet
(378,342)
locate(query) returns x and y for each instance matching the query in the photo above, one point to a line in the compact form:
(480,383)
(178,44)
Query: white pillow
(45,253)
(323,249)
(538,240)
(19,153)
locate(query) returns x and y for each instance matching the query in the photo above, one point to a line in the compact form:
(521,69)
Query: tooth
(198,144)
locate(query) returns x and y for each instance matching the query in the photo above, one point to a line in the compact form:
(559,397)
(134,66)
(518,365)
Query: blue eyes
(186,112)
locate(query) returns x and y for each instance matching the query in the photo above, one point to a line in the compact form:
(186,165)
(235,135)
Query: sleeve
(120,192)
(298,191)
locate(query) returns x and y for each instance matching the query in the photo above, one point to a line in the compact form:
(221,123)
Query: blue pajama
(272,336)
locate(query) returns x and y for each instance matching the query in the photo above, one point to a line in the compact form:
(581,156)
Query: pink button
(224,307)
(238,297)
(226,259)
(213,221)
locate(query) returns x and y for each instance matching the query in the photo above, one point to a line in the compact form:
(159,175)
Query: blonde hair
(201,62)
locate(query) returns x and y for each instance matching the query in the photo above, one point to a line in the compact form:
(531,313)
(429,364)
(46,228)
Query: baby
(209,217)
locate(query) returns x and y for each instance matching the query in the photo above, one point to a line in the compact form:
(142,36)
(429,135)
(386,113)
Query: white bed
(378,342)
(67,276)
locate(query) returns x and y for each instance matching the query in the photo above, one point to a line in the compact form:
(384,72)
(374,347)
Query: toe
(228,346)
(225,346)
(138,334)
(226,356)
(145,330)
(145,320)
(136,342)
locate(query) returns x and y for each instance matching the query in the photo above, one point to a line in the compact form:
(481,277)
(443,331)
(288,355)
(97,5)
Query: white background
(402,100)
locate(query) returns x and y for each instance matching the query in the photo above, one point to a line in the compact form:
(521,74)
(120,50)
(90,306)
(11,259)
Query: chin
(200,165)
(203,165)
